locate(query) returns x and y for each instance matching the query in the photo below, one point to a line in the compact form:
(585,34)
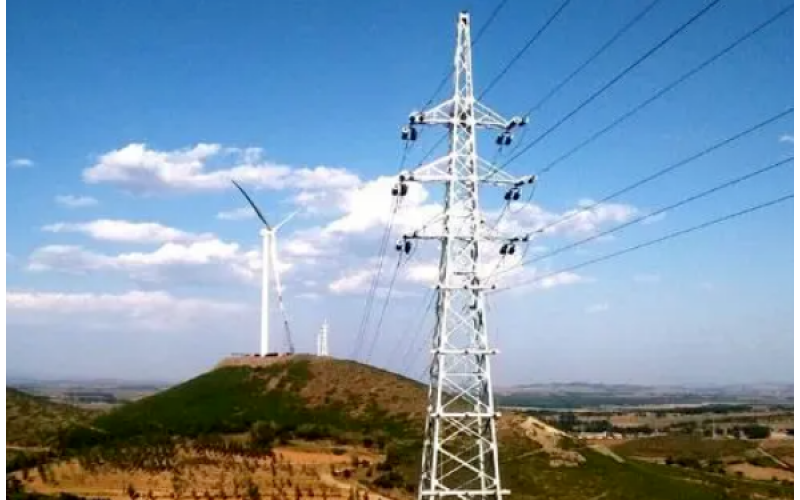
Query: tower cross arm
(482,116)
(438,171)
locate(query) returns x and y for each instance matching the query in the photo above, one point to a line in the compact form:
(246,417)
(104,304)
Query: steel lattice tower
(460,456)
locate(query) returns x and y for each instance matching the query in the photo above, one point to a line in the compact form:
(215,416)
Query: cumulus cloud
(140,169)
(207,261)
(145,310)
(21,163)
(787,138)
(356,281)
(125,231)
(71,201)
(578,221)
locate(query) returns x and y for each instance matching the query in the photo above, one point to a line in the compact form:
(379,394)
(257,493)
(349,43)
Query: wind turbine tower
(269,265)
(322,340)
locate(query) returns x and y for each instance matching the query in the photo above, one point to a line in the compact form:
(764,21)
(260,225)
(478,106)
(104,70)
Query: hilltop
(303,426)
(298,396)
(33,421)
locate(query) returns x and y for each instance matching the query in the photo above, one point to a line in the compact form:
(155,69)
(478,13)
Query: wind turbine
(269,260)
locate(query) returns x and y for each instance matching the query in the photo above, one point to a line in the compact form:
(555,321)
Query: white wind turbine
(269,260)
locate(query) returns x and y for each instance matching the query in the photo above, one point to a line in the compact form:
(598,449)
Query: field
(290,472)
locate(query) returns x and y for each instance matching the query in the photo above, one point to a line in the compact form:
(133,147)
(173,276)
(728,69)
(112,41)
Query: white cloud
(423,273)
(204,261)
(140,169)
(559,279)
(598,308)
(297,246)
(147,310)
(241,213)
(787,138)
(527,218)
(71,201)
(369,206)
(354,282)
(125,231)
(21,163)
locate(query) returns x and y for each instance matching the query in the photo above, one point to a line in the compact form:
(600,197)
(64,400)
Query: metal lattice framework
(460,456)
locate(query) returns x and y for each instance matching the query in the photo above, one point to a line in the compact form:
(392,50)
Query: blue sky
(132,117)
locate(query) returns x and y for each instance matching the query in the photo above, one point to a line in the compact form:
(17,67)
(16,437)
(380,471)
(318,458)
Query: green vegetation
(532,476)
(36,421)
(684,446)
(270,402)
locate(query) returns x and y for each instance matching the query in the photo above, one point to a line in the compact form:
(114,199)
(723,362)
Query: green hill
(33,421)
(303,396)
(252,403)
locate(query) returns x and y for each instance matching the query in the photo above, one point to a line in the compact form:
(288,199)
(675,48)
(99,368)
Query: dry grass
(761,473)
(349,383)
(781,448)
(292,473)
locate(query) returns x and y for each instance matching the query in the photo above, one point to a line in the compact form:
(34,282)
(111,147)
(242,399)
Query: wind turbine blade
(287,219)
(252,204)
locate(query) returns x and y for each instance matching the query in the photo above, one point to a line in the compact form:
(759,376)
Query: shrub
(389,480)
(755,431)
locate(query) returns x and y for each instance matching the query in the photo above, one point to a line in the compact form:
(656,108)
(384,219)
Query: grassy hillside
(305,396)
(532,477)
(35,421)
(685,446)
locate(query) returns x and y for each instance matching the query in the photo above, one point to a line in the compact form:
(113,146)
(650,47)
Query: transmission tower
(460,455)
(322,340)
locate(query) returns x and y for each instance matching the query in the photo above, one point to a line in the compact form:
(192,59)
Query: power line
(665,170)
(386,300)
(592,57)
(488,22)
(524,49)
(597,53)
(614,80)
(649,243)
(374,284)
(381,256)
(428,299)
(685,201)
(430,150)
(481,31)
(666,89)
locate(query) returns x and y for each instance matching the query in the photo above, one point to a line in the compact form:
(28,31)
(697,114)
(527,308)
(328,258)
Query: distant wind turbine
(269,260)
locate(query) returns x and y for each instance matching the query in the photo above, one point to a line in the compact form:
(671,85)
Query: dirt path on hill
(599,448)
(775,459)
